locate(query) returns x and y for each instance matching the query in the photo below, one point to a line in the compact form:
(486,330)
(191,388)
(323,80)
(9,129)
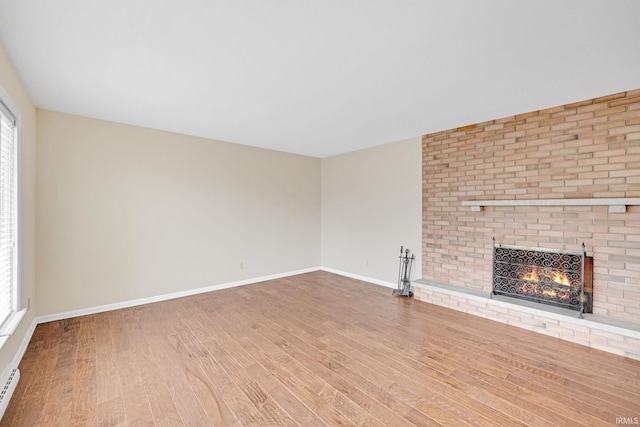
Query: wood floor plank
(27,402)
(244,412)
(168,353)
(163,408)
(111,413)
(327,367)
(84,404)
(209,396)
(286,364)
(321,366)
(577,413)
(440,408)
(305,384)
(148,324)
(210,357)
(392,382)
(281,395)
(445,362)
(563,368)
(315,349)
(137,407)
(456,411)
(107,375)
(521,360)
(59,395)
(242,373)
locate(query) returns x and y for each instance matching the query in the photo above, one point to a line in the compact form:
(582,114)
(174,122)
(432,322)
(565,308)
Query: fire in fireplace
(560,278)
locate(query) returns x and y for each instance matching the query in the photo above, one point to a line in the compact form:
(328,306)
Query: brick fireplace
(553,178)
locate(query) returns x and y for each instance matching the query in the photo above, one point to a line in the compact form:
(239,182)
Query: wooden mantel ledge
(618,205)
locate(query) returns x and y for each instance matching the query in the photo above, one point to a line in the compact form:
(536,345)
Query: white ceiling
(318,77)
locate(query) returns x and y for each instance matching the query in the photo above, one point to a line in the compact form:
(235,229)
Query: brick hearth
(614,336)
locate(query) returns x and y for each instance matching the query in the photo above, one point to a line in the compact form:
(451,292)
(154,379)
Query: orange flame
(537,289)
(533,276)
(561,279)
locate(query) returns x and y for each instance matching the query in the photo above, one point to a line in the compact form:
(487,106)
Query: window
(10,314)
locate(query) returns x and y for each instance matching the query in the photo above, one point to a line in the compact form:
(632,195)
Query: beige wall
(127,212)
(12,86)
(371,205)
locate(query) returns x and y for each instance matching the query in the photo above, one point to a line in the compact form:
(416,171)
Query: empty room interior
(379,213)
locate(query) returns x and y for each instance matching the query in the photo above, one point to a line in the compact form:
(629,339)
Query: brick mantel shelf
(618,205)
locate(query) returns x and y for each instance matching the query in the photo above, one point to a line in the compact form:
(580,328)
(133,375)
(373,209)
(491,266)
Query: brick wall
(589,149)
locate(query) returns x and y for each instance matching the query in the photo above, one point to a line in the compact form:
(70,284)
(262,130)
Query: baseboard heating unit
(9,382)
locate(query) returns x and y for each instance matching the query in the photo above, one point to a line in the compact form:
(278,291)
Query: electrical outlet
(28,303)
(241,266)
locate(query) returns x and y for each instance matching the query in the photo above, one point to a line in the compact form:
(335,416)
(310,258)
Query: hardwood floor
(313,349)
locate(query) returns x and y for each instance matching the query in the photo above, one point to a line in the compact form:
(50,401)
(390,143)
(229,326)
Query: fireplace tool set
(404,274)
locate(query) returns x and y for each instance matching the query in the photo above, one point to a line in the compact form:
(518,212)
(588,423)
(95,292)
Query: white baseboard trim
(165,297)
(359,277)
(25,342)
(173,295)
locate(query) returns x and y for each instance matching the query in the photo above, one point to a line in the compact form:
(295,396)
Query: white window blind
(8,218)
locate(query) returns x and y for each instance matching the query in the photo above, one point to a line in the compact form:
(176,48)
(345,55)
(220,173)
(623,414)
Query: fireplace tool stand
(404,273)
